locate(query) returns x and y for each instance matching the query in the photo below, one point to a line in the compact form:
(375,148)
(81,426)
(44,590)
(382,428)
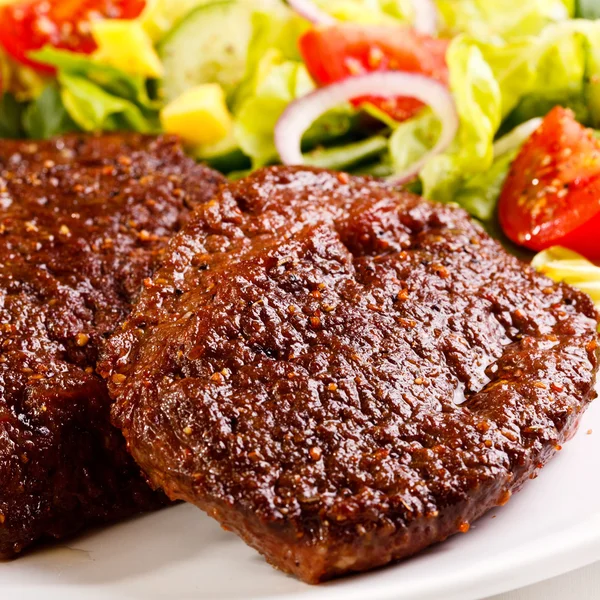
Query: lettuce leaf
(498,20)
(41,118)
(89,96)
(19,80)
(478,103)
(94,109)
(560,66)
(479,194)
(348,156)
(278,32)
(277,82)
(46,116)
(413,138)
(275,77)
(279,29)
(565,265)
(498,86)
(10,117)
(588,9)
(110,79)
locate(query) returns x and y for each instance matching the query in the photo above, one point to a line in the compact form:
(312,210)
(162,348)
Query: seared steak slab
(343,374)
(83,220)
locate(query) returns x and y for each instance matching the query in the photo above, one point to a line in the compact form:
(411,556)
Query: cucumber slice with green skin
(209,45)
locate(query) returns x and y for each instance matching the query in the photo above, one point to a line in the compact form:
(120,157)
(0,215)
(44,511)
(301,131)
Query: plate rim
(556,554)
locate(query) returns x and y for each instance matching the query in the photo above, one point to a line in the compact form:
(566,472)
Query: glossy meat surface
(343,374)
(83,221)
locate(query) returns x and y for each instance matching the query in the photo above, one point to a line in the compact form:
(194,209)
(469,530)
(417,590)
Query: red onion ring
(311,12)
(302,113)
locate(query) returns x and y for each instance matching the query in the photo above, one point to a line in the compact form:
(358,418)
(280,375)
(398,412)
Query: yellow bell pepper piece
(124,44)
(199,116)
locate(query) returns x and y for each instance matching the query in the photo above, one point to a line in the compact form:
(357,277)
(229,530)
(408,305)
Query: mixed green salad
(445,97)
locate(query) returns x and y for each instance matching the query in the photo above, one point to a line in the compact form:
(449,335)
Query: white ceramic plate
(551,527)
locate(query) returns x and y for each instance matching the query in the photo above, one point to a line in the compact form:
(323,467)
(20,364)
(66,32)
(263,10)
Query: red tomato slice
(32,24)
(337,52)
(552,193)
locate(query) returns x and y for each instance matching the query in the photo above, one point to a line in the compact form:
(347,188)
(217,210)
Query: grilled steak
(343,374)
(82,222)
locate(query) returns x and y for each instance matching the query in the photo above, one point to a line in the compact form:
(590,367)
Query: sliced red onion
(517,137)
(426,17)
(302,113)
(311,12)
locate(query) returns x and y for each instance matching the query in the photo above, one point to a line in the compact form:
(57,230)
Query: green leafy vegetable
(559,66)
(90,97)
(275,77)
(506,82)
(348,156)
(277,82)
(500,20)
(110,79)
(275,31)
(94,109)
(479,195)
(278,29)
(10,117)
(565,265)
(413,138)
(477,97)
(588,9)
(47,116)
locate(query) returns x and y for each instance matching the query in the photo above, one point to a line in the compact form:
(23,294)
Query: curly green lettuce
(498,86)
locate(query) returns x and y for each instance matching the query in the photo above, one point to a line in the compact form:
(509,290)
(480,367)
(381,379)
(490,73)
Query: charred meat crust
(83,221)
(343,374)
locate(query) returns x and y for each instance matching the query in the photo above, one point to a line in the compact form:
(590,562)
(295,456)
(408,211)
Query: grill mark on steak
(83,220)
(302,388)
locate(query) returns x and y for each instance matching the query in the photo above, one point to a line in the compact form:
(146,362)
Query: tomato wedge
(552,193)
(31,24)
(340,51)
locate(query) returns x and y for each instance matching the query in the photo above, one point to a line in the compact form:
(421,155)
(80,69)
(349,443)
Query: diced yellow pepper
(199,116)
(124,44)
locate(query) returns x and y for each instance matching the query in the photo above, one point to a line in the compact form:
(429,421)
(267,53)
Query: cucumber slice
(209,45)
